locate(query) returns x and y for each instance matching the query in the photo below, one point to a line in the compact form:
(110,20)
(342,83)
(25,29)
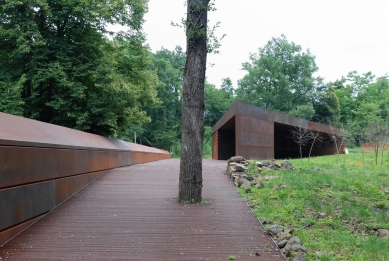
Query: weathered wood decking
(132,213)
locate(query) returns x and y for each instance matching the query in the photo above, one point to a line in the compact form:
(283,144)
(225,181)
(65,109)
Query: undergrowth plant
(336,209)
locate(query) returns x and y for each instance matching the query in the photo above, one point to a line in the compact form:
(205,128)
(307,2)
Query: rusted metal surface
(19,131)
(132,213)
(9,233)
(225,118)
(215,145)
(25,202)
(254,137)
(265,134)
(373,146)
(43,164)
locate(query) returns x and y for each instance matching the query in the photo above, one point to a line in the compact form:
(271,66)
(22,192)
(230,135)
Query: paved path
(132,213)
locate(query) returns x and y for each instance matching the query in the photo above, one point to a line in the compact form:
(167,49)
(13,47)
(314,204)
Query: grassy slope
(354,197)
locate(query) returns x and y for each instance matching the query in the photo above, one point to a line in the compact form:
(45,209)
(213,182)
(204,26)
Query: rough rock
(236,159)
(246,187)
(230,170)
(276,163)
(273,230)
(282,243)
(282,236)
(241,168)
(236,178)
(287,165)
(244,162)
(258,179)
(383,233)
(232,164)
(321,215)
(265,221)
(266,163)
(259,184)
(259,164)
(294,247)
(234,174)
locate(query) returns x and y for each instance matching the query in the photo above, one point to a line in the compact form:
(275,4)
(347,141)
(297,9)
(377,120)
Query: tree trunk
(191,181)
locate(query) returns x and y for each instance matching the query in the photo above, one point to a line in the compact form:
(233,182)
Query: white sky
(344,35)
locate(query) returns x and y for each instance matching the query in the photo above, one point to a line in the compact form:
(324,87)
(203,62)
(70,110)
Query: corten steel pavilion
(257,133)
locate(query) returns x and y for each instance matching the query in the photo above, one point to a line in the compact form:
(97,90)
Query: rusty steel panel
(324,128)
(371,146)
(215,145)
(254,125)
(254,137)
(22,203)
(40,164)
(252,111)
(19,131)
(225,118)
(132,213)
(9,233)
(65,187)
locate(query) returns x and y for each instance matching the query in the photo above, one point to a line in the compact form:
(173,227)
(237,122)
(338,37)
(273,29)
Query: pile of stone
(237,170)
(290,245)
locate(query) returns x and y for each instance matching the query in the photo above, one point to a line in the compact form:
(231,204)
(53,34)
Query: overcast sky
(344,35)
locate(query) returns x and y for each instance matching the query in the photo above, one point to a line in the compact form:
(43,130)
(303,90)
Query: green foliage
(164,129)
(303,111)
(326,104)
(354,199)
(207,143)
(64,70)
(279,77)
(217,101)
(10,96)
(252,168)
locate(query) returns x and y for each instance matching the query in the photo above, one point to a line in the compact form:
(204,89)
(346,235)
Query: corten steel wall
(41,165)
(254,137)
(263,134)
(371,146)
(215,145)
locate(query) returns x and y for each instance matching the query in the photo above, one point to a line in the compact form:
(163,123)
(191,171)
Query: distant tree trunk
(191,180)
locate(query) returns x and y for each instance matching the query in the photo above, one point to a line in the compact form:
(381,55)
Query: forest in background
(60,64)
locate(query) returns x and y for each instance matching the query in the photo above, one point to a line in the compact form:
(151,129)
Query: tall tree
(191,181)
(217,101)
(326,104)
(165,127)
(69,72)
(279,77)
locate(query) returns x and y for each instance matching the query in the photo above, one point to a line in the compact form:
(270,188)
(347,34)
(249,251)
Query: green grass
(355,199)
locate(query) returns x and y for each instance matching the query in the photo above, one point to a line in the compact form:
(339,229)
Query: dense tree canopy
(58,66)
(279,77)
(217,101)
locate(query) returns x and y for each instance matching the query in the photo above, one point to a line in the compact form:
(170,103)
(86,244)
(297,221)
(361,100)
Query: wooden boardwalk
(132,213)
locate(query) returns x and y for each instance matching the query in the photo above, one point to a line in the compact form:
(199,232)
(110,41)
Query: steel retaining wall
(41,165)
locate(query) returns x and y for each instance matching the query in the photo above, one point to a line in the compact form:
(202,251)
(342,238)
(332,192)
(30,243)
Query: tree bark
(191,181)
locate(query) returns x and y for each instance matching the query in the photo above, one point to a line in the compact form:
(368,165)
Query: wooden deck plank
(131,213)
